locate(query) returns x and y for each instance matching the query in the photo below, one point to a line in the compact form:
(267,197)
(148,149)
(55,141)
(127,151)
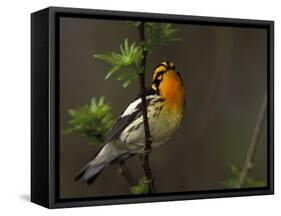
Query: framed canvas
(139,107)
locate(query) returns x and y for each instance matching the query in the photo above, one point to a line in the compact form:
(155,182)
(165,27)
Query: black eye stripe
(157,81)
(160,74)
(160,66)
(163,65)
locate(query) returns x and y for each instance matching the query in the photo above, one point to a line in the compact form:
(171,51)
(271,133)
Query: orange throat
(172,90)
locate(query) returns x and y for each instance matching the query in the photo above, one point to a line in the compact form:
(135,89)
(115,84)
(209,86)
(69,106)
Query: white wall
(15,105)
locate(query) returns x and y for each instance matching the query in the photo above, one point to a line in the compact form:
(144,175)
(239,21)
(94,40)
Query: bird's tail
(106,155)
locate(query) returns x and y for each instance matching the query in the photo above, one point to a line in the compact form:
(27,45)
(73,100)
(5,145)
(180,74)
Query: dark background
(224,71)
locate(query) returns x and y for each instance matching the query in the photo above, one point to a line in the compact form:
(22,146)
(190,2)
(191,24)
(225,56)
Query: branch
(253,144)
(147,147)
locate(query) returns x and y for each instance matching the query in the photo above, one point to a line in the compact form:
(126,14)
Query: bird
(165,102)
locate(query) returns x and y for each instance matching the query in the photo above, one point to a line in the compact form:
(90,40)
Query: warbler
(165,100)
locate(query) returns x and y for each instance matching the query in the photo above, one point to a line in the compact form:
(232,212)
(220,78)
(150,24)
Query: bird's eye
(171,66)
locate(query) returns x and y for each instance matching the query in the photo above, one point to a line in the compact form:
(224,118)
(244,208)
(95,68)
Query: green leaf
(127,78)
(127,61)
(233,181)
(91,121)
(249,182)
(112,71)
(234,170)
(159,34)
(133,23)
(140,188)
(105,57)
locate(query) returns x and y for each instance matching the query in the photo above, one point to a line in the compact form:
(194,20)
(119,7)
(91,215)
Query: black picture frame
(45,106)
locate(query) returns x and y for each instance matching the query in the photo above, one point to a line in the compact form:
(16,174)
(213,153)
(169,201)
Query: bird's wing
(133,111)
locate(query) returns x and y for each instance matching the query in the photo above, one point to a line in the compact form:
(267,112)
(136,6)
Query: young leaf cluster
(140,188)
(91,120)
(133,23)
(128,60)
(233,182)
(159,34)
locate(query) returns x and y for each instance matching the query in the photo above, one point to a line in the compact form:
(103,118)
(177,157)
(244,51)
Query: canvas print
(152,107)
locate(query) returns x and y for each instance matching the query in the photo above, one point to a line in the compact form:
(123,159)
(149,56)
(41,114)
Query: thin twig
(147,147)
(124,171)
(253,144)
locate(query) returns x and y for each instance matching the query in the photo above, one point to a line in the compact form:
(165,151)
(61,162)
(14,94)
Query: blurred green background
(224,71)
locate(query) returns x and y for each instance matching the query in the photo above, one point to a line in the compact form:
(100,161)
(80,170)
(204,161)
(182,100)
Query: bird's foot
(145,151)
(148,181)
